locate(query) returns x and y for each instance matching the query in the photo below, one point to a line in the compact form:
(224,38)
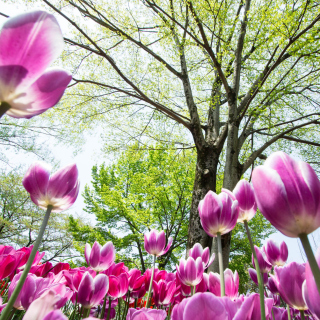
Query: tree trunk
(205,180)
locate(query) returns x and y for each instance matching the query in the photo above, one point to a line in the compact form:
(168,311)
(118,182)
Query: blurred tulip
(155,242)
(100,258)
(231,283)
(30,42)
(289,280)
(146,314)
(218,213)
(116,269)
(276,255)
(197,251)
(254,278)
(177,311)
(190,271)
(92,291)
(118,286)
(244,194)
(272,285)
(288,194)
(163,292)
(264,264)
(135,279)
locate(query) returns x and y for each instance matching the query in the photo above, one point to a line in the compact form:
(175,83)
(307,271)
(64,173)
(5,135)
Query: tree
(20,220)
(231,78)
(142,190)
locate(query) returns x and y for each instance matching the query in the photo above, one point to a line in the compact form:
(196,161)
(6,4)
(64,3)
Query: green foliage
(20,220)
(140,191)
(240,251)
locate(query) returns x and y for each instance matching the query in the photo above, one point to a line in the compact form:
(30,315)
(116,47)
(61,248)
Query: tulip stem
(4,107)
(86,313)
(151,280)
(311,259)
(103,307)
(5,312)
(302,315)
(288,311)
(109,310)
(193,290)
(221,265)
(261,290)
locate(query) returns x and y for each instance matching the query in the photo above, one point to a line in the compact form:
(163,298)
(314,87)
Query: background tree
(231,78)
(20,220)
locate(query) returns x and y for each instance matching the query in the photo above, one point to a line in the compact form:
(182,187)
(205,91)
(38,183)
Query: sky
(91,155)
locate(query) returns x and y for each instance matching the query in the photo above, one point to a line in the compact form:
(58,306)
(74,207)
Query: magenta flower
(118,286)
(218,213)
(135,279)
(116,269)
(92,291)
(29,43)
(254,278)
(202,286)
(309,289)
(139,293)
(289,280)
(197,251)
(190,272)
(244,194)
(178,309)
(288,194)
(158,275)
(100,258)
(276,255)
(163,292)
(146,314)
(59,190)
(155,242)
(231,283)
(272,286)
(8,264)
(264,264)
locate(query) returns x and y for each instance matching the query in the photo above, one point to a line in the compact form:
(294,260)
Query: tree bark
(205,180)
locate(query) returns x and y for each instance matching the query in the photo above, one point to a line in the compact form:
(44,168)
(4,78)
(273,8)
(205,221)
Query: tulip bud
(155,242)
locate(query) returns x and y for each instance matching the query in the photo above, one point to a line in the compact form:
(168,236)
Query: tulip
(139,293)
(135,279)
(92,291)
(158,275)
(100,258)
(6,250)
(163,292)
(177,311)
(289,280)
(118,286)
(272,286)
(143,314)
(190,271)
(8,264)
(244,194)
(231,283)
(201,287)
(25,254)
(254,278)
(218,213)
(116,269)
(155,242)
(264,265)
(310,293)
(197,251)
(59,190)
(276,255)
(29,43)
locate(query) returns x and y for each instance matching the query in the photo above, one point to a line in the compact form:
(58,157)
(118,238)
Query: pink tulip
(116,269)
(42,306)
(244,194)
(309,289)
(135,279)
(59,190)
(41,270)
(254,278)
(272,285)
(276,255)
(6,250)
(264,264)
(218,213)
(139,293)
(177,311)
(155,242)
(202,286)
(197,251)
(289,280)
(100,258)
(163,292)
(29,43)
(288,194)
(118,286)
(73,277)
(92,291)
(158,275)
(190,272)
(146,314)
(8,264)
(231,283)
(25,253)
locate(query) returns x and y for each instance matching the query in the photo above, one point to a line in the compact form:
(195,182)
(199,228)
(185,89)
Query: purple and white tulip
(231,283)
(254,278)
(197,251)
(60,190)
(100,258)
(218,213)
(163,292)
(155,243)
(190,271)
(276,255)
(29,43)
(264,264)
(287,192)
(146,314)
(244,194)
